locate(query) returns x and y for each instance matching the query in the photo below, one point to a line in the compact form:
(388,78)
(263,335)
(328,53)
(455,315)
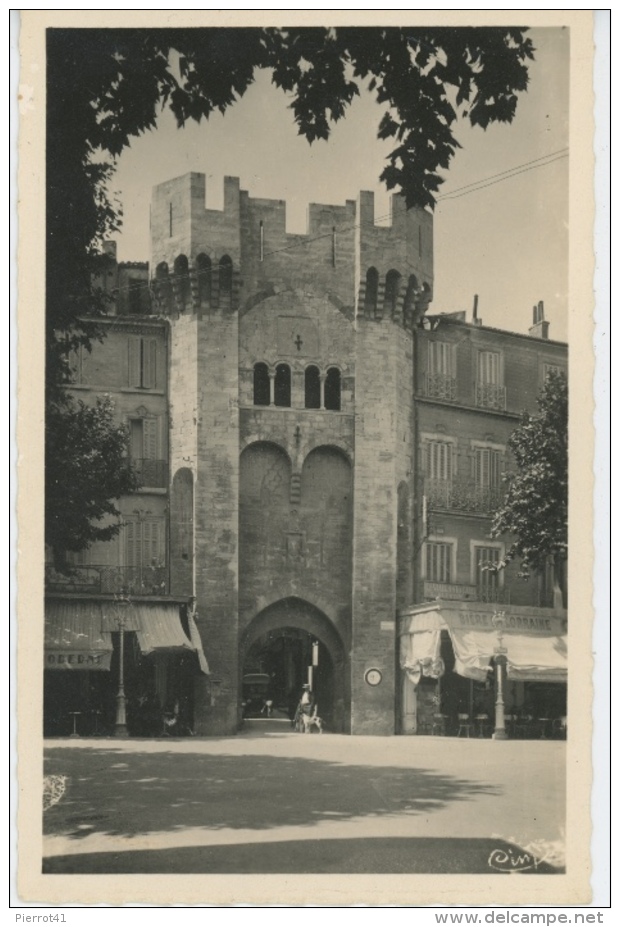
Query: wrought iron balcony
(441,386)
(491,396)
(153,474)
(466,592)
(460,495)
(96,579)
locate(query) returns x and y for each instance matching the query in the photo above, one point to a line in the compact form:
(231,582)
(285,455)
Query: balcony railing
(153,474)
(95,579)
(459,495)
(441,386)
(491,396)
(492,594)
(467,592)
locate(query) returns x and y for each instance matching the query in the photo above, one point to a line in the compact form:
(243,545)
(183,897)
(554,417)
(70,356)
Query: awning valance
(194,635)
(160,630)
(157,625)
(535,644)
(74,639)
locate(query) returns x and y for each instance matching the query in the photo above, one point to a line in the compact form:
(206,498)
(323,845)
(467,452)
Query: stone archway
(279,640)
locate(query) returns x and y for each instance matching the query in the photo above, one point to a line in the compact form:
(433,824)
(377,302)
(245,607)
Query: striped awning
(74,637)
(78,634)
(196,640)
(157,625)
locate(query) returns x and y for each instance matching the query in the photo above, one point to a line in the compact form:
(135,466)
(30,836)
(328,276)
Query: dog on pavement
(307,722)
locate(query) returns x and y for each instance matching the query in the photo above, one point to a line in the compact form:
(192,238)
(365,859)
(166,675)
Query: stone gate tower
(291,439)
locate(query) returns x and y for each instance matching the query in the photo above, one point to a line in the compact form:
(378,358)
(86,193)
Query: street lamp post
(121,602)
(499,623)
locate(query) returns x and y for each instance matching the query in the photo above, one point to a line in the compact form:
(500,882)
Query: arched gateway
(283,641)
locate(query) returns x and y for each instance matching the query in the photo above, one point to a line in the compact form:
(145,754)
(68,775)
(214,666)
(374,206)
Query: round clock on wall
(373,676)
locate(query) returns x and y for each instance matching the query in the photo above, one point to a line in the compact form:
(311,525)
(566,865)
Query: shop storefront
(162,652)
(452,655)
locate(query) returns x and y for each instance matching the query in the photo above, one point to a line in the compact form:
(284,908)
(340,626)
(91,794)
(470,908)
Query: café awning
(194,635)
(160,629)
(74,639)
(535,643)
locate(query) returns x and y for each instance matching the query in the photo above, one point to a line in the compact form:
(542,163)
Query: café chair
(465,725)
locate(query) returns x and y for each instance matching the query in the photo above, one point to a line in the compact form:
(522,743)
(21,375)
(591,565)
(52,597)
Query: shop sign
(76,660)
(531,623)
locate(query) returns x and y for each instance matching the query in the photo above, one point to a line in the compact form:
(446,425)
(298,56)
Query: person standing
(306,707)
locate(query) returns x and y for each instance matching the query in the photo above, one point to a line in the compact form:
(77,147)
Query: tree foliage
(86,468)
(535,509)
(107,86)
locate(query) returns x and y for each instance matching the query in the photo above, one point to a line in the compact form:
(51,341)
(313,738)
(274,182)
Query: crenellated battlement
(205,260)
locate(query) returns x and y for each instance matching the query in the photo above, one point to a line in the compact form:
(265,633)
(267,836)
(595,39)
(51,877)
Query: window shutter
(147,535)
(432,347)
(489,368)
(149,363)
(440,358)
(133,362)
(153,541)
(132,544)
(496,471)
(150,431)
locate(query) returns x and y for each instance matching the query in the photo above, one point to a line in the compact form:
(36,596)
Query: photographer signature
(514,860)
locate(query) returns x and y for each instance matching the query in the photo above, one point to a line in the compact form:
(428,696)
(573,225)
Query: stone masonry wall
(375,525)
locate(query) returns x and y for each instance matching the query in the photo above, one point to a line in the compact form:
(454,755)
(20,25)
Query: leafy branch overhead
(107,86)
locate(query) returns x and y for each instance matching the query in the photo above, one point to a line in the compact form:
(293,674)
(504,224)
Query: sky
(507,243)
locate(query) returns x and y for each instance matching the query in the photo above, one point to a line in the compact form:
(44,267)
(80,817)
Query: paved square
(270,800)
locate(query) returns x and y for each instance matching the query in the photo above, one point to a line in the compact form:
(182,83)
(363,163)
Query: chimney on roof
(474,312)
(539,327)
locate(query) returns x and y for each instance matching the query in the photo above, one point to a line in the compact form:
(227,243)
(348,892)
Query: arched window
(261,385)
(226,275)
(282,386)
(410,296)
(312,388)
(203,269)
(163,289)
(372,286)
(332,390)
(392,285)
(181,273)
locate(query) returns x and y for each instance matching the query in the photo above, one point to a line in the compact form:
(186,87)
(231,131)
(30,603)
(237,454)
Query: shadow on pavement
(441,855)
(111,792)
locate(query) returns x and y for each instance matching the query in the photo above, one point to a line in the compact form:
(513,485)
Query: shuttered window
(440,359)
(552,368)
(144,542)
(438,562)
(144,433)
(439,460)
(142,362)
(485,557)
(488,468)
(489,368)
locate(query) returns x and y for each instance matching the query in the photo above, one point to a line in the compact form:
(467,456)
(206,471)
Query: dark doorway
(289,657)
